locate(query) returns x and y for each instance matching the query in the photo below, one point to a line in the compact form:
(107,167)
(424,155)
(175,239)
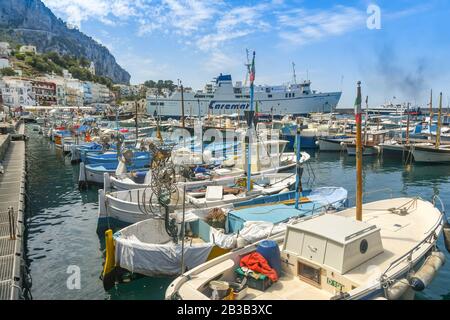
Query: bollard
(12,227)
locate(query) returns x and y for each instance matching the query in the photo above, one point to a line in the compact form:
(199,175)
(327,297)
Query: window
(293,95)
(286,95)
(309,274)
(269,96)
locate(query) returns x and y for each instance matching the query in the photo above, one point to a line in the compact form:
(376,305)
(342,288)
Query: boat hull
(367,150)
(430,154)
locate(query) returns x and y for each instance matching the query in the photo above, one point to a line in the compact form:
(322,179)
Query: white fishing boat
(146,247)
(388,255)
(333,144)
(433,153)
(393,147)
(130,206)
(429,153)
(371,143)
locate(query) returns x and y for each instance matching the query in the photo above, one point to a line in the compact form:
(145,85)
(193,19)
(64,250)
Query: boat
(333,143)
(130,206)
(428,153)
(146,248)
(225,98)
(371,144)
(388,255)
(434,153)
(94,173)
(384,250)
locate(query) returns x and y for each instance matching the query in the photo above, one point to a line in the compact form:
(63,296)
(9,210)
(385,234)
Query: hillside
(33,65)
(31,22)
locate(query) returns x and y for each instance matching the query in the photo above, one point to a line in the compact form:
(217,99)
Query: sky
(398,49)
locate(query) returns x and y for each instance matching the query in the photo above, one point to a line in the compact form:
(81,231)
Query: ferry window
(286,95)
(293,95)
(269,96)
(309,274)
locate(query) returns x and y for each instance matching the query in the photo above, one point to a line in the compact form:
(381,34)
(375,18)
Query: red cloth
(256,262)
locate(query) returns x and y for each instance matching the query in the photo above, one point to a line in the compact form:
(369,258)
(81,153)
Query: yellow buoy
(110,263)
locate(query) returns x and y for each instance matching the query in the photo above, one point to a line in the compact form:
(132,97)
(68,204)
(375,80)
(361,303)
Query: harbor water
(62,241)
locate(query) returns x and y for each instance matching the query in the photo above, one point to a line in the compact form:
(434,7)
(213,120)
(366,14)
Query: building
(4,63)
(131,90)
(17,92)
(74,92)
(101,93)
(96,93)
(60,85)
(92,68)
(5,50)
(44,92)
(27,49)
(130,105)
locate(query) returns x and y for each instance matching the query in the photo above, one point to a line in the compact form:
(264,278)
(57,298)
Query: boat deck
(12,193)
(399,234)
(288,288)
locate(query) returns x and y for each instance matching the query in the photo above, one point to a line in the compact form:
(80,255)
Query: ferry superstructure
(222,97)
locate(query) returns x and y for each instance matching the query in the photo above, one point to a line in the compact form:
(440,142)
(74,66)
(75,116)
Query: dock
(12,208)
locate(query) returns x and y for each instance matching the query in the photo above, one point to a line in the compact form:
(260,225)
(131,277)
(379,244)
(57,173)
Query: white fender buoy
(397,289)
(285,190)
(422,278)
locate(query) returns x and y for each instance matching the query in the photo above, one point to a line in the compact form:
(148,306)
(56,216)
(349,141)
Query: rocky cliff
(31,22)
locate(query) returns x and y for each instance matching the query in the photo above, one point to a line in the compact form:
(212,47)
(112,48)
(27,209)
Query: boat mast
(295,76)
(250,123)
(136,120)
(431,110)
(407,125)
(438,130)
(358,114)
(298,175)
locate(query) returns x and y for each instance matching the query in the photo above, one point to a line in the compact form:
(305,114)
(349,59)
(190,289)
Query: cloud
(182,17)
(77,11)
(302,26)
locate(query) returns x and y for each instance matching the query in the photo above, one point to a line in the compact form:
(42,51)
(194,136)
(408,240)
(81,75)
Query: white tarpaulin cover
(253,231)
(158,259)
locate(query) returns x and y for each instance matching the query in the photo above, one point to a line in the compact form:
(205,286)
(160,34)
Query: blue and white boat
(94,173)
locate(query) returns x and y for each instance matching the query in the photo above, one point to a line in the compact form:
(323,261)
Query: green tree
(7,72)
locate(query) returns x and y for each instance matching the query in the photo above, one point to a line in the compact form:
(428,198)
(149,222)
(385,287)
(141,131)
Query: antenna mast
(295,76)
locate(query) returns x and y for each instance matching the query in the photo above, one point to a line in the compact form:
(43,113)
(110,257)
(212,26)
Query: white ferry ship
(222,97)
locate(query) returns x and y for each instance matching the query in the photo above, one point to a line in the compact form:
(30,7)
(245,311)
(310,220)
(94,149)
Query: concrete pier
(12,208)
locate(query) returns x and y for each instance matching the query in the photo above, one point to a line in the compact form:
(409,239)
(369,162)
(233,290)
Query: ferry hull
(325,102)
